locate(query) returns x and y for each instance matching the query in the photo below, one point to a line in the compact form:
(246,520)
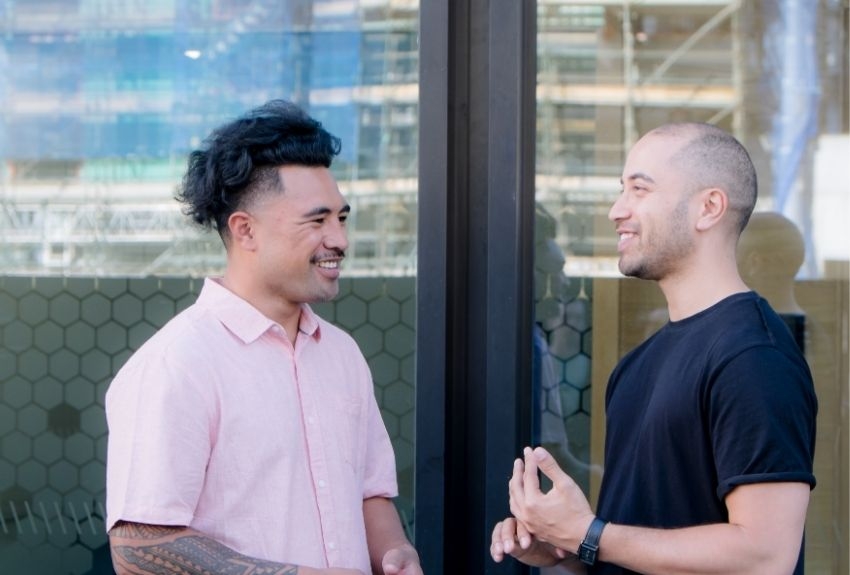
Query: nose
(618,209)
(337,236)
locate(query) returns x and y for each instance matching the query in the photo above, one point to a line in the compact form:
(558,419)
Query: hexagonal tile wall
(569,341)
(61,342)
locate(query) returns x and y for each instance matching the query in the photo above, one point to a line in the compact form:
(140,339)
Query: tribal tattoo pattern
(162,550)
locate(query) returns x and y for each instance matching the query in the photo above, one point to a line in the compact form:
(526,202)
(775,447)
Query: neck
(700,286)
(269,304)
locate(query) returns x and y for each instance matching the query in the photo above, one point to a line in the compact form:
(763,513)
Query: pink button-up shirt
(218,423)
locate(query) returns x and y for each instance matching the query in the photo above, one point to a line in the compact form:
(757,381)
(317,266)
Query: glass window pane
(103,100)
(775,75)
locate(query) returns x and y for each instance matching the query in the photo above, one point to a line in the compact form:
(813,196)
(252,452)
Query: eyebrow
(323,211)
(639,176)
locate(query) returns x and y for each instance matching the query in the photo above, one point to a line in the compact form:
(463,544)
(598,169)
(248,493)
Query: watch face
(590,545)
(587,554)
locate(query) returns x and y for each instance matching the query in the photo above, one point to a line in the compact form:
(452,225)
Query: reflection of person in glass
(550,285)
(244,436)
(711,421)
(770,253)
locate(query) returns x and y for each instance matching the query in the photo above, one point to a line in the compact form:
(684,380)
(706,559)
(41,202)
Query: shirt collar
(244,320)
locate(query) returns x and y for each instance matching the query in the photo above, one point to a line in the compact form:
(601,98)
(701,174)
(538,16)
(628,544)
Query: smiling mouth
(623,238)
(328,260)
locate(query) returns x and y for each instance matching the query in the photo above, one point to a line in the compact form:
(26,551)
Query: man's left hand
(401,560)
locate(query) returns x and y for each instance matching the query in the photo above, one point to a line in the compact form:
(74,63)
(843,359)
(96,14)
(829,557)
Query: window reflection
(776,78)
(102,101)
(105,99)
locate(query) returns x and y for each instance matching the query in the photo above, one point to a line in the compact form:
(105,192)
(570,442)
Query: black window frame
(477,87)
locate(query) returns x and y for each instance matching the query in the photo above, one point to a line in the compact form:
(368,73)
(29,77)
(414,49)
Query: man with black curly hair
(244,437)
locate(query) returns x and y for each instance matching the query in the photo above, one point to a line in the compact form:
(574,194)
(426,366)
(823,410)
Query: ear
(713,203)
(241,226)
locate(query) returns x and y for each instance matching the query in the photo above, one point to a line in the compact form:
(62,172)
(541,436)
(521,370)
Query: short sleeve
(379,478)
(158,445)
(762,411)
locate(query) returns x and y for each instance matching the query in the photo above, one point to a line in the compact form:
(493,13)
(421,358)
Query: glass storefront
(774,74)
(102,101)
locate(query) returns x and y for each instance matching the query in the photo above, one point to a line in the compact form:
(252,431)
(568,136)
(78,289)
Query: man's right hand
(510,537)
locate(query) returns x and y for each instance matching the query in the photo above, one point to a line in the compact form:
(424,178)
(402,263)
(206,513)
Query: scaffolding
(606,69)
(64,217)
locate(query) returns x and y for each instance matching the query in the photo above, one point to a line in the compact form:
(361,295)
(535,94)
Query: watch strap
(589,547)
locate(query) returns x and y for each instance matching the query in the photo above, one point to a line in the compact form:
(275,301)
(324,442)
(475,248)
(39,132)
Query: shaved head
(712,158)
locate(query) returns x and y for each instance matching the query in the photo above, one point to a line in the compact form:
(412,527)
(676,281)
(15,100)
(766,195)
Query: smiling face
(299,236)
(652,214)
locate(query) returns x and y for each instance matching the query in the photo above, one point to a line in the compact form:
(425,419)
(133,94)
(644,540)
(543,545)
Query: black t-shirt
(720,399)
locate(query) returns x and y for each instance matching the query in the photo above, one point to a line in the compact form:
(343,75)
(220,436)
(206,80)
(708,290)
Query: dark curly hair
(240,159)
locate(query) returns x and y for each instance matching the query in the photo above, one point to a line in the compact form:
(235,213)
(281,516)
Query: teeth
(328,265)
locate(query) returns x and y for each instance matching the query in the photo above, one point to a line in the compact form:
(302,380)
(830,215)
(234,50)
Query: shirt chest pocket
(346,426)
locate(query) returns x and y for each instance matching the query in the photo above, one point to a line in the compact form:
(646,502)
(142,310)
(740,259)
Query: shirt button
(331,545)
(311,420)
(322,484)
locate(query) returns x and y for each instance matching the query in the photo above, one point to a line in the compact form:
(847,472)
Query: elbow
(783,563)
(117,566)
(773,560)
(121,563)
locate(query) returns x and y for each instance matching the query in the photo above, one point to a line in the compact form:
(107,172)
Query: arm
(763,535)
(389,550)
(139,549)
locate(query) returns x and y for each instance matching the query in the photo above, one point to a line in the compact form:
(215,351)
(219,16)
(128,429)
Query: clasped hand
(545,527)
(402,560)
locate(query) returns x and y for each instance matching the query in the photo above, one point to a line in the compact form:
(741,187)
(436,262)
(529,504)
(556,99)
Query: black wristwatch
(590,545)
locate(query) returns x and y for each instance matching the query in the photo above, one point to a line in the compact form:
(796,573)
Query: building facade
(482,147)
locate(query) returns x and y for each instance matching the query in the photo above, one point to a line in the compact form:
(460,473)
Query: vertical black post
(510,247)
(476,210)
(432,288)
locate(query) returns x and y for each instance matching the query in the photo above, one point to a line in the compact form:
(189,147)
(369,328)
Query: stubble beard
(664,252)
(326,290)
(328,294)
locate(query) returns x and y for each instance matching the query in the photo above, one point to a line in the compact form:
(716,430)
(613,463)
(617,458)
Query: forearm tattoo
(158,550)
